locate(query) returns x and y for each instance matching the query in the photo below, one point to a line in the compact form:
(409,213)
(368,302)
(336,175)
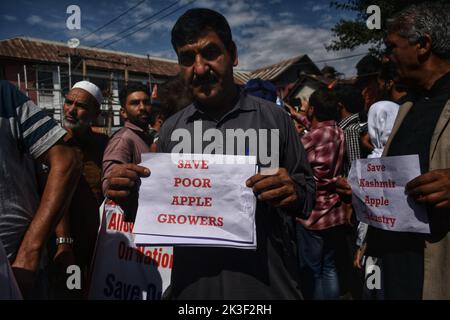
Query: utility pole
(69,61)
(84,69)
(110,108)
(25,79)
(149,76)
(61,105)
(126,72)
(37,85)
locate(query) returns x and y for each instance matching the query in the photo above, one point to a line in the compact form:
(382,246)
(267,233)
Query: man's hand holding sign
(278,189)
(431,188)
(188,202)
(195,190)
(122,178)
(379,197)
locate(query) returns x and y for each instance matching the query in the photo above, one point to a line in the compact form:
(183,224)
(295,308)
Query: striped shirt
(26,132)
(352,131)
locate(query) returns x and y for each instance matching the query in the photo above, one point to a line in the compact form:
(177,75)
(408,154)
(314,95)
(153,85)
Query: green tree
(350,34)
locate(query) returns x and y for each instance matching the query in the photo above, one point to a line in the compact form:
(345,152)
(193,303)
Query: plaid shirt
(352,131)
(324,146)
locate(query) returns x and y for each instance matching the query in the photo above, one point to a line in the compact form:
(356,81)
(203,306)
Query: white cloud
(275,42)
(286,14)
(141,36)
(9,18)
(142,11)
(100,36)
(166,54)
(263,37)
(244,19)
(327,21)
(34,19)
(319,7)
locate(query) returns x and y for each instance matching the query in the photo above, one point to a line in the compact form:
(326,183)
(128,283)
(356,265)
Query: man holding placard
(415,266)
(206,54)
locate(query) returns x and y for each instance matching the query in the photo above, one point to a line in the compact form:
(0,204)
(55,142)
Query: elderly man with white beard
(77,231)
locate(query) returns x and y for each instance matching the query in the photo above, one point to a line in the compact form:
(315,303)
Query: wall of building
(49,89)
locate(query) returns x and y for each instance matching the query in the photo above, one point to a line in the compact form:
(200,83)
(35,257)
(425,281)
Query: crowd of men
(309,244)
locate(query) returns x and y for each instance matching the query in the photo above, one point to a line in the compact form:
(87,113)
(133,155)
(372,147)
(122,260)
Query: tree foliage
(350,34)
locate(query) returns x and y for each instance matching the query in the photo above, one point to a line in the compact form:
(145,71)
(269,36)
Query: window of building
(45,81)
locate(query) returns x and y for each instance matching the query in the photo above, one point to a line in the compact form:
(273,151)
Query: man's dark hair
(329,72)
(263,89)
(195,22)
(369,65)
(389,72)
(129,89)
(349,96)
(174,95)
(368,69)
(325,104)
(158,110)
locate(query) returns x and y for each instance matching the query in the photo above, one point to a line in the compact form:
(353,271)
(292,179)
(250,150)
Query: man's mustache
(205,79)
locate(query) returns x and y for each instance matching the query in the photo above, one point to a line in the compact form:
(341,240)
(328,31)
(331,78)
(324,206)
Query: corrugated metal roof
(273,71)
(38,50)
(241,77)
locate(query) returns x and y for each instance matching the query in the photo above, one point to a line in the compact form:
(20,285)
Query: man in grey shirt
(206,54)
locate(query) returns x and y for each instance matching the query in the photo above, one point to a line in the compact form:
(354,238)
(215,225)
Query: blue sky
(266,31)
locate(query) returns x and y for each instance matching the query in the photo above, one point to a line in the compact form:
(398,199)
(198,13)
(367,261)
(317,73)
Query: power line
(342,58)
(138,23)
(113,20)
(149,24)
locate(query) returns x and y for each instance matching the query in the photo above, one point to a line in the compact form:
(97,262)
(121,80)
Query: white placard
(197,199)
(379,197)
(122,270)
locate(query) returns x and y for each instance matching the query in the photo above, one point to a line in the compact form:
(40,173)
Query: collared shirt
(126,146)
(405,98)
(415,133)
(270,272)
(324,146)
(352,131)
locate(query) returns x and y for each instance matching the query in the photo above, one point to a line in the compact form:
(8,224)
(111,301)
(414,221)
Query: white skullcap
(91,88)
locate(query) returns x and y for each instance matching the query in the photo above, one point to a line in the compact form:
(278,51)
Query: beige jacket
(437,251)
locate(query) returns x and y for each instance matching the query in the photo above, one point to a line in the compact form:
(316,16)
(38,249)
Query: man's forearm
(62,229)
(65,168)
